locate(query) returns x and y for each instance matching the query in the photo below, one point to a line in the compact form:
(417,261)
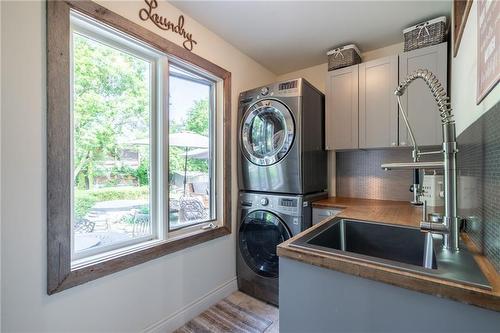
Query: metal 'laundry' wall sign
(164,23)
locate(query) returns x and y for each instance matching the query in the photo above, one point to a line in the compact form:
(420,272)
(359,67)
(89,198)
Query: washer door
(260,232)
(267,132)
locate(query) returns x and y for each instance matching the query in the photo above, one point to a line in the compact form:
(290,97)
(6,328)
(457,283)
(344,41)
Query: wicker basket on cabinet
(343,56)
(425,34)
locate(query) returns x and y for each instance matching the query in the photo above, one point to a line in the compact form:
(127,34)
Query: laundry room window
(115,147)
(191,172)
(138,145)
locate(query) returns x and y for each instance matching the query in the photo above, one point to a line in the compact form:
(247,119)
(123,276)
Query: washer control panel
(290,88)
(289,205)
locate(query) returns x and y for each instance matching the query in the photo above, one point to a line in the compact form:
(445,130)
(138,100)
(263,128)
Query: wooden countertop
(392,212)
(402,213)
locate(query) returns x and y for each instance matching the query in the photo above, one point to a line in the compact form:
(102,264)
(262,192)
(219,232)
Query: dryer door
(267,132)
(260,232)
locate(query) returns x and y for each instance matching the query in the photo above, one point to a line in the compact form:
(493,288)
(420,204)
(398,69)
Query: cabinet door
(378,113)
(418,102)
(320,214)
(341,118)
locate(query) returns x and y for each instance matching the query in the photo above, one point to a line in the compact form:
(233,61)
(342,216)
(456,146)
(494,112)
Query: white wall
(129,300)
(464,78)
(317,76)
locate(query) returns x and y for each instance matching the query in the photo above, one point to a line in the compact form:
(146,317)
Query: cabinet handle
(403,143)
(393,144)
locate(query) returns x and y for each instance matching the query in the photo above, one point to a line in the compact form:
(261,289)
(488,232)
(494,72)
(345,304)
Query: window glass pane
(190,149)
(111,147)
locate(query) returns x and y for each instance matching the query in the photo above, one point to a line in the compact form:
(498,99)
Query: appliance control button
(264,91)
(264,201)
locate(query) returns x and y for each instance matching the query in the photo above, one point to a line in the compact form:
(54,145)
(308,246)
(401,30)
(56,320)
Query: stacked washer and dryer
(282,169)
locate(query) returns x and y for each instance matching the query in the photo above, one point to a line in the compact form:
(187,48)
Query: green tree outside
(111,104)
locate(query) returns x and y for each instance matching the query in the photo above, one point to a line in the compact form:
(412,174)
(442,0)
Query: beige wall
(166,291)
(464,78)
(315,74)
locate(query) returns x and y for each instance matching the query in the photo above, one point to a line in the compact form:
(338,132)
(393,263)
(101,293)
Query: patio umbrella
(199,154)
(188,140)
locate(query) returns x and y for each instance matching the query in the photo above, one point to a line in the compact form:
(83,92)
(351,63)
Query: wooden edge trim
(327,205)
(59,273)
(226,173)
(58,145)
(95,271)
(457,37)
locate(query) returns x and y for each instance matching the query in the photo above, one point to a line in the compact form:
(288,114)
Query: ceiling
(285,36)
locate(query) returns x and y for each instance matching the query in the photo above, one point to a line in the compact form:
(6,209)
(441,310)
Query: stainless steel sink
(393,246)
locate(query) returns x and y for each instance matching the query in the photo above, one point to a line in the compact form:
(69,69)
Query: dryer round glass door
(260,232)
(267,132)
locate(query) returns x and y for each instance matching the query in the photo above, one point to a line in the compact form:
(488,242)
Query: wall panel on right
(479,182)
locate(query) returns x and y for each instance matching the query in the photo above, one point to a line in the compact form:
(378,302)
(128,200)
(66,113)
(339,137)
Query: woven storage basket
(343,56)
(425,34)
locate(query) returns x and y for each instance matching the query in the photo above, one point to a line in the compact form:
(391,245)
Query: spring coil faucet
(437,91)
(450,226)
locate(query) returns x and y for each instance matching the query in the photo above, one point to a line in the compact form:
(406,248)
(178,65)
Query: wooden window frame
(60,275)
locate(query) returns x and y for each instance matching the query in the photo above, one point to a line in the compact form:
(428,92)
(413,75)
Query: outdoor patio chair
(192,209)
(84,226)
(142,224)
(201,187)
(174,205)
(100,220)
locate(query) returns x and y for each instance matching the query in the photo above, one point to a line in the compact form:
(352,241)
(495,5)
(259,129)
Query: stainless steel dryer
(267,220)
(281,138)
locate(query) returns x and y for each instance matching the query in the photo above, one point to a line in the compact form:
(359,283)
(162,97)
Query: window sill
(175,235)
(88,270)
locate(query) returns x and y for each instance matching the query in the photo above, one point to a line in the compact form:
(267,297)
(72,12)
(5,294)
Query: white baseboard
(179,318)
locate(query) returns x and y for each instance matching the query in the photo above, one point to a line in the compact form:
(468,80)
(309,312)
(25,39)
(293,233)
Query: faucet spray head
(437,90)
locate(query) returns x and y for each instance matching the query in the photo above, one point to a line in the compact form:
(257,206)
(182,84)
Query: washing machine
(281,138)
(266,220)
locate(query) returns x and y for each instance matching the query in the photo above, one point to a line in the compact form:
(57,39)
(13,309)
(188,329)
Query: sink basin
(404,245)
(401,247)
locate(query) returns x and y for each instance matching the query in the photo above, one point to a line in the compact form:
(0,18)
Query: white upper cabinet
(362,110)
(378,113)
(341,117)
(418,102)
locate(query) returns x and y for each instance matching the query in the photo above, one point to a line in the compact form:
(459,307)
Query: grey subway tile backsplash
(359,175)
